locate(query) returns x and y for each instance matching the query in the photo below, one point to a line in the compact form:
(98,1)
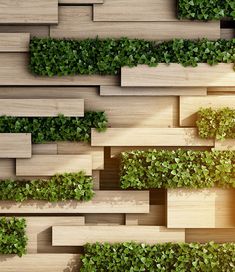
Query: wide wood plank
(14,42)
(49,165)
(77,22)
(80,235)
(148,137)
(227,144)
(15,145)
(102,202)
(175,75)
(29,12)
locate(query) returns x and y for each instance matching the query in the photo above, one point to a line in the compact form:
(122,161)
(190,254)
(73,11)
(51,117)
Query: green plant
(61,128)
(13,238)
(49,57)
(68,186)
(168,257)
(177,169)
(218,124)
(206,10)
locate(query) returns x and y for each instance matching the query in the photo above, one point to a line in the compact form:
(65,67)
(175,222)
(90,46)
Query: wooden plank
(82,16)
(224,90)
(211,208)
(7,168)
(104,219)
(40,263)
(103,202)
(15,145)
(41,31)
(80,235)
(189,106)
(96,179)
(80,2)
(135,91)
(227,33)
(49,165)
(44,149)
(29,12)
(149,137)
(227,144)
(176,75)
(14,42)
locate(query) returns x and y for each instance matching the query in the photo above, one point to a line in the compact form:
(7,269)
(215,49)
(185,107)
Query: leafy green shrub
(49,57)
(13,238)
(69,186)
(177,169)
(169,257)
(206,10)
(218,124)
(61,128)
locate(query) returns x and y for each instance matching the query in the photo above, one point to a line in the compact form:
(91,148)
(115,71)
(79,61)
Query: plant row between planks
(50,57)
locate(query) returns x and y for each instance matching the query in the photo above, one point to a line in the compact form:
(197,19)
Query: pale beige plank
(227,144)
(211,208)
(77,22)
(7,168)
(80,235)
(103,202)
(189,106)
(79,2)
(34,30)
(149,137)
(40,263)
(15,145)
(44,149)
(14,42)
(49,165)
(175,75)
(96,179)
(227,33)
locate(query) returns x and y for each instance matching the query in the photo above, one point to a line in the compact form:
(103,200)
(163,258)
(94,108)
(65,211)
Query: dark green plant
(61,128)
(168,257)
(13,238)
(177,169)
(50,57)
(217,124)
(206,10)
(68,186)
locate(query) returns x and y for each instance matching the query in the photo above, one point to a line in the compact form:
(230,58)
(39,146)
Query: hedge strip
(216,123)
(206,10)
(170,257)
(61,187)
(13,238)
(50,57)
(177,169)
(50,129)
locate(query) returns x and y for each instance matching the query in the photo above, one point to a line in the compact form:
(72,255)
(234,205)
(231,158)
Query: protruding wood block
(14,42)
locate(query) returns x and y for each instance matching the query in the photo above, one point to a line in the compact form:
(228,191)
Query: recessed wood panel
(14,42)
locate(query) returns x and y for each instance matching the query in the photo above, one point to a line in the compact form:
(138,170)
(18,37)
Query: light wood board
(44,149)
(14,42)
(7,168)
(227,33)
(80,2)
(34,30)
(227,144)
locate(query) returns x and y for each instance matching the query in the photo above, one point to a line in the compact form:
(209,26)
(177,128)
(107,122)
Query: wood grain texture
(49,165)
(227,33)
(29,12)
(80,2)
(7,168)
(96,179)
(14,42)
(44,149)
(80,235)
(149,137)
(227,144)
(41,31)
(175,75)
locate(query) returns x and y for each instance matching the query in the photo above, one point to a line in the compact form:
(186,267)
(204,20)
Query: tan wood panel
(149,137)
(7,168)
(34,30)
(175,75)
(40,263)
(14,42)
(211,208)
(227,144)
(49,165)
(227,33)
(96,179)
(104,219)
(80,235)
(77,22)
(15,145)
(79,2)
(102,202)
(221,90)
(44,149)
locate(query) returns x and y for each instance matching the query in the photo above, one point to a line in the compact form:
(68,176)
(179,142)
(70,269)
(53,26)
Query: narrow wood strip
(44,149)
(80,2)
(14,42)
(227,33)
(227,144)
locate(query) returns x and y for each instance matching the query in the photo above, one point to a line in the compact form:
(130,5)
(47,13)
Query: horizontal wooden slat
(102,202)
(149,137)
(175,75)
(79,2)
(14,42)
(15,145)
(227,144)
(44,149)
(227,33)
(221,90)
(7,168)
(49,165)
(80,235)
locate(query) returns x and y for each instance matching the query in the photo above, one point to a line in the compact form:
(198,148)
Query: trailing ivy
(169,257)
(216,123)
(69,186)
(50,57)
(177,169)
(13,238)
(206,10)
(61,128)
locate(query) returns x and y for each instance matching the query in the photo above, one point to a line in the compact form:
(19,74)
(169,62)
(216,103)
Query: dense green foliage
(216,123)
(206,9)
(177,169)
(13,238)
(49,57)
(69,186)
(166,257)
(61,128)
